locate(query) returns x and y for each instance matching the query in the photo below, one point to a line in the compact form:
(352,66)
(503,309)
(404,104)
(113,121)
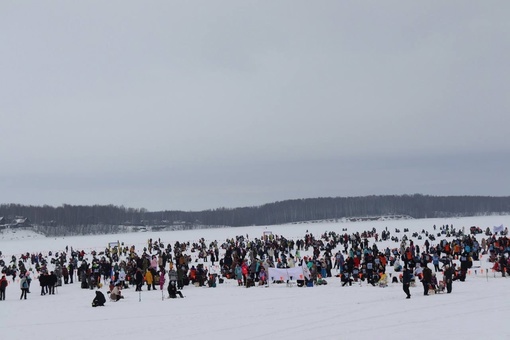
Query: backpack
(3,284)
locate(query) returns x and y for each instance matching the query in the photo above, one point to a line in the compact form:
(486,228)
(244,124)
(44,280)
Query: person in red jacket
(3,285)
(244,270)
(193,274)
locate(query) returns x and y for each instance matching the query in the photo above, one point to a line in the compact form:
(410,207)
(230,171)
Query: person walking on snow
(406,281)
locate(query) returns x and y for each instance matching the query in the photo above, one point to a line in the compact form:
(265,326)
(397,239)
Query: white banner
(284,274)
(497,229)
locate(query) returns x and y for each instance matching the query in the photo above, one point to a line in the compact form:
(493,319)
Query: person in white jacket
(122,276)
(115,294)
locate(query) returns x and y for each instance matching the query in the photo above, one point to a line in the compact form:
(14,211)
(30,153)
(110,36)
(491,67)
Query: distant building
(20,222)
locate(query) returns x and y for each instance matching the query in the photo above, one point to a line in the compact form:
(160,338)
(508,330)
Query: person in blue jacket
(23,286)
(435,262)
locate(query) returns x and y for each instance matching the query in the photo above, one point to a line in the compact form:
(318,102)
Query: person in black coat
(346,278)
(172,290)
(71,272)
(448,277)
(406,281)
(502,264)
(138,280)
(52,282)
(426,280)
(43,282)
(99,300)
(464,265)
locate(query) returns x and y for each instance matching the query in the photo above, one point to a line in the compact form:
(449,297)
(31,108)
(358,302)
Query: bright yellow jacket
(148,277)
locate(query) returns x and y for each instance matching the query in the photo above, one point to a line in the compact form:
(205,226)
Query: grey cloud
(226,103)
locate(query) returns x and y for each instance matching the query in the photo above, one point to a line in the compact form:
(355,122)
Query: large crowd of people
(350,257)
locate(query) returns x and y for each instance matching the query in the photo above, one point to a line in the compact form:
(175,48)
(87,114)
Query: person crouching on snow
(115,294)
(99,300)
(172,290)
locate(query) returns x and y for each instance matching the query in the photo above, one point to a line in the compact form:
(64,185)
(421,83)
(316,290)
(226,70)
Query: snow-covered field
(477,308)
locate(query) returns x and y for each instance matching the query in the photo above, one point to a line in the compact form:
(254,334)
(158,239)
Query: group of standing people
(47,281)
(428,279)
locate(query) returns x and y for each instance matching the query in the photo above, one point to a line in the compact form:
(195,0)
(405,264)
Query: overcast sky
(191,105)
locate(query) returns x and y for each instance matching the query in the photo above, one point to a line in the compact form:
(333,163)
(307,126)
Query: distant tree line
(78,219)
